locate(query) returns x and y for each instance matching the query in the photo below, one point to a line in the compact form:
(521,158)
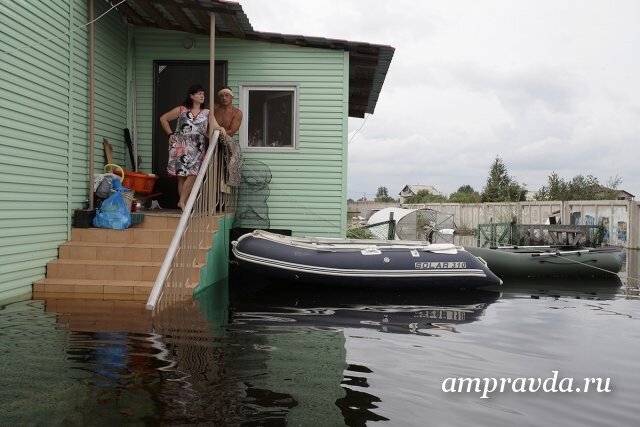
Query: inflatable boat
(549,261)
(368,263)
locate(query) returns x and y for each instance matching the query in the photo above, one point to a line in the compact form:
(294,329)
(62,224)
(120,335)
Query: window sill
(270,149)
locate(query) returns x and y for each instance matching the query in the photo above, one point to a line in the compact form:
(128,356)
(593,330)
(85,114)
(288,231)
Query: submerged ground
(330,357)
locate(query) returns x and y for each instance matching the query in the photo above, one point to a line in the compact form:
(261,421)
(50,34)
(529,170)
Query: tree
(465,194)
(579,188)
(614,182)
(423,196)
(611,190)
(501,187)
(382,195)
(465,189)
(583,188)
(556,189)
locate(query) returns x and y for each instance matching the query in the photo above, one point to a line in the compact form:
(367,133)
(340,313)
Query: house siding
(44,96)
(308,186)
(110,92)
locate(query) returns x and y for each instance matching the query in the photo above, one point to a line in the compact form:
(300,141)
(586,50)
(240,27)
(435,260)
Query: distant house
(619,194)
(412,190)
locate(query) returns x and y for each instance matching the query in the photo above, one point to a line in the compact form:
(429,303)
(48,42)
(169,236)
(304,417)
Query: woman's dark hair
(188,102)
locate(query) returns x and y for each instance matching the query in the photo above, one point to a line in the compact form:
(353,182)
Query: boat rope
(561,255)
(590,266)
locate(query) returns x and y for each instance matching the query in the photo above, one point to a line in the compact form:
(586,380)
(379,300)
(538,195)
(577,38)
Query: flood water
(320,357)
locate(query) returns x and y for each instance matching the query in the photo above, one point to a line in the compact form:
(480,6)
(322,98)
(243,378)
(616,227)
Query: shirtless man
(227,116)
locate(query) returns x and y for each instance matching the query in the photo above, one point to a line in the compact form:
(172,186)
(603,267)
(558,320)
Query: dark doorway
(171,82)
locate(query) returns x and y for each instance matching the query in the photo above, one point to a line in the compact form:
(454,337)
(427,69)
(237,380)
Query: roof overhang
(368,63)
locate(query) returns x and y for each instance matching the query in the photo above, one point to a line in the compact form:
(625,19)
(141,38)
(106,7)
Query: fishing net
(253,210)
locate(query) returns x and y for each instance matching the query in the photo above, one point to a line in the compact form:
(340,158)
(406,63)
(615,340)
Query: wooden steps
(94,315)
(103,269)
(109,265)
(101,250)
(103,289)
(186,323)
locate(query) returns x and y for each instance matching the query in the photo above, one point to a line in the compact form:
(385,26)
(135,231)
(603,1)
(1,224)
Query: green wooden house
(296,93)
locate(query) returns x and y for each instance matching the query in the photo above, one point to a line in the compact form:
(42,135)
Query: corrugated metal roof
(368,63)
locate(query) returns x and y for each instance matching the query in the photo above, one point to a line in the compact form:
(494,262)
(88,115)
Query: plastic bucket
(139,182)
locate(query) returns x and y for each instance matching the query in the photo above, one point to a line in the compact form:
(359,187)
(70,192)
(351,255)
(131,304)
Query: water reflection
(393,312)
(88,362)
(290,356)
(631,270)
(603,288)
(306,335)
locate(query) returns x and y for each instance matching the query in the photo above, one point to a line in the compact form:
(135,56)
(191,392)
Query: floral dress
(187,150)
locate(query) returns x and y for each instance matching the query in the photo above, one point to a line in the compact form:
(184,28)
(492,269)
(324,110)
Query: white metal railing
(179,273)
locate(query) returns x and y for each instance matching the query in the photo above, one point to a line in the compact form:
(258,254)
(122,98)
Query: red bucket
(142,183)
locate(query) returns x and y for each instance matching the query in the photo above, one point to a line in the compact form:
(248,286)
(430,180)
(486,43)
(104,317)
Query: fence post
(494,235)
(392,227)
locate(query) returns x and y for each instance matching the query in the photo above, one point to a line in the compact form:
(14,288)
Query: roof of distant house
(368,63)
(415,188)
(620,193)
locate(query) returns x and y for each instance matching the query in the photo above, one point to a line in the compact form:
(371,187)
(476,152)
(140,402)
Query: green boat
(549,261)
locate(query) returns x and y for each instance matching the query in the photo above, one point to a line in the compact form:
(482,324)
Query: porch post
(212,70)
(91,105)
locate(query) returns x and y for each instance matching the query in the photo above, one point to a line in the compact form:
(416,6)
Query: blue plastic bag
(114,212)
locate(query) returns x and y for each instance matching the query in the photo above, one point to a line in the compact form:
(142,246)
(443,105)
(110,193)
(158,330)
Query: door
(172,80)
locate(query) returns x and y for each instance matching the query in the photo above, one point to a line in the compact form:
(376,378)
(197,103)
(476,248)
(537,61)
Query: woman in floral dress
(187,143)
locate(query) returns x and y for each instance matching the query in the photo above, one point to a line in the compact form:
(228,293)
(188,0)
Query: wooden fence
(620,219)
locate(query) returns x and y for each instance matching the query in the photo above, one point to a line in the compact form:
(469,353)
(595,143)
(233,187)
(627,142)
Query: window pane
(270,121)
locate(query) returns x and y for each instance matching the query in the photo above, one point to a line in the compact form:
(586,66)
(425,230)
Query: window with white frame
(270,116)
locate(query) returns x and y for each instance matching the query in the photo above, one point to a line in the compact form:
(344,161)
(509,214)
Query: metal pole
(91,105)
(212,71)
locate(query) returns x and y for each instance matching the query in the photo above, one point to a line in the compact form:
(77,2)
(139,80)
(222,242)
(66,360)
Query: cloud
(384,22)
(550,87)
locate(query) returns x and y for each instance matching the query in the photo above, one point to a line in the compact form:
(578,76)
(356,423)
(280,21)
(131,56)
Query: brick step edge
(94,282)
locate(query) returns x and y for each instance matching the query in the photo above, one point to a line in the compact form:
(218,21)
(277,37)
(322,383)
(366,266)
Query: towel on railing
(232,160)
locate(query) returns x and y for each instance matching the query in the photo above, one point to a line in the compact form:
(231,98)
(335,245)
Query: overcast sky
(546,85)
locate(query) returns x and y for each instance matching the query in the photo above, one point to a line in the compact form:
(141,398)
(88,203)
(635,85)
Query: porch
(104,264)
(162,259)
